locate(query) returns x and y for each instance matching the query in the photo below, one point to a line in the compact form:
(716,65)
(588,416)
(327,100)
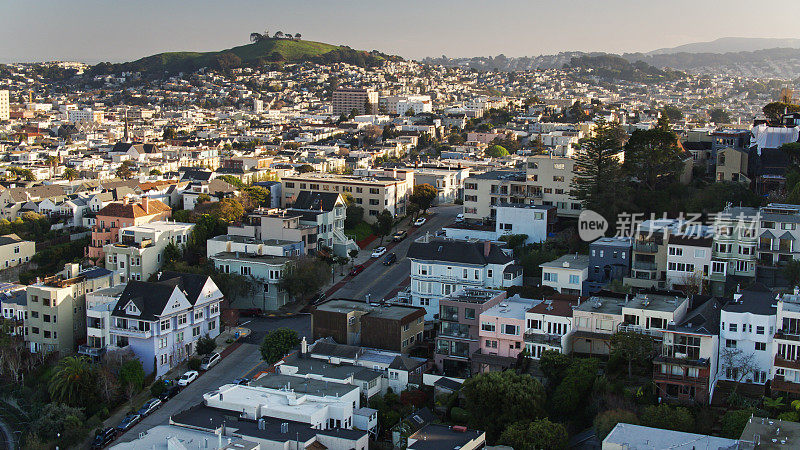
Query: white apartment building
(84,116)
(747,325)
(689,262)
(735,240)
(786,345)
(548,325)
(138,253)
(416,103)
(440,267)
(566,274)
(531,220)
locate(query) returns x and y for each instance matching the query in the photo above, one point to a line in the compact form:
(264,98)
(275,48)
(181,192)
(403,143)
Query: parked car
(460,218)
(150,406)
(188,377)
(210,361)
(378,252)
(419,222)
(357,270)
(399,236)
(318,298)
(169,392)
(104,437)
(242,381)
(391,258)
(128,422)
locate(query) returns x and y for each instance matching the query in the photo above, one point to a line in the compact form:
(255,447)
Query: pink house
(502,333)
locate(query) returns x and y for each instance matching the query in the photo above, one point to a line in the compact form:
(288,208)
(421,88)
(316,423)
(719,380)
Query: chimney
(304,346)
(487,247)
(146,204)
(125,200)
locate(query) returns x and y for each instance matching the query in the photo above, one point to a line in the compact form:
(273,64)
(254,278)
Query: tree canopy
(277,343)
(539,434)
(423,195)
(598,170)
(303,277)
(496,151)
(653,157)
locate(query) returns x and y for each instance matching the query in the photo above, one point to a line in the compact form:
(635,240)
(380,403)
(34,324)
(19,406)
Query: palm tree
(70,173)
(73,380)
(52,160)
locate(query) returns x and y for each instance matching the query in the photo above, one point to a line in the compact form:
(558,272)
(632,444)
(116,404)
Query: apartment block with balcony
(594,322)
(548,326)
(99,306)
(747,326)
(348,100)
(448,181)
(459,330)
(552,176)
(483,192)
(326,210)
(686,368)
(56,319)
(161,321)
(651,310)
(735,241)
(502,334)
(138,253)
(650,250)
(786,345)
(778,241)
(440,267)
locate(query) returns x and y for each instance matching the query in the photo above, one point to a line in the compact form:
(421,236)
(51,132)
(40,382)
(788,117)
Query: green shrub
(791,416)
(157,388)
(459,415)
(193,363)
(733,422)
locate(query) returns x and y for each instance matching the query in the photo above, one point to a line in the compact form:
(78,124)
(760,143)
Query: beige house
(594,322)
(732,165)
(56,320)
(15,251)
(137,253)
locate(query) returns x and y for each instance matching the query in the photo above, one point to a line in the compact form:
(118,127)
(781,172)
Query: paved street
(244,361)
(379,280)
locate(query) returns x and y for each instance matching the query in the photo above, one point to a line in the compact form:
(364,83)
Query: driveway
(243,361)
(380,281)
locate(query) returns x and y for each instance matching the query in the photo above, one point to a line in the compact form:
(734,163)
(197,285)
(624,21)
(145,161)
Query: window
(182,319)
(469,313)
(574,279)
(534,324)
(487,326)
(489,273)
(549,276)
(196,331)
(165,325)
(759,330)
(730,343)
(761,346)
(733,327)
(491,344)
(512,330)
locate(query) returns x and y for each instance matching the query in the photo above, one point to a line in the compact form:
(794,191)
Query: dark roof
(322,201)
(18,297)
(758,299)
(9,239)
(95,272)
(689,145)
(197,175)
(703,320)
(466,252)
(447,383)
(190,283)
(334,349)
(435,437)
(405,363)
(150,299)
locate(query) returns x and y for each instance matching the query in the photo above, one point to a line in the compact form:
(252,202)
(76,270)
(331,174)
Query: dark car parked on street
(104,437)
(390,259)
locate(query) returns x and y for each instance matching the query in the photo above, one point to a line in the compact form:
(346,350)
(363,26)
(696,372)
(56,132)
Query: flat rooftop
(624,242)
(476,296)
(512,308)
(656,302)
(245,257)
(576,262)
(165,437)
(304,385)
(438,437)
(159,226)
(386,310)
(772,434)
(250,240)
(640,437)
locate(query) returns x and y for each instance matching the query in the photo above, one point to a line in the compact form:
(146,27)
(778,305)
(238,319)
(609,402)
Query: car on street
(210,361)
(149,406)
(169,392)
(378,252)
(419,222)
(188,377)
(242,381)
(128,422)
(357,270)
(391,258)
(399,236)
(460,218)
(104,437)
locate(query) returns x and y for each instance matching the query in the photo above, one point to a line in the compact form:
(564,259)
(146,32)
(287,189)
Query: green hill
(258,53)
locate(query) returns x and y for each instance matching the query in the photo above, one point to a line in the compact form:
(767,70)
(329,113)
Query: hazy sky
(122,30)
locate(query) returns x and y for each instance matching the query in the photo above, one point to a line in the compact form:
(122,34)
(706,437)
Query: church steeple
(125,136)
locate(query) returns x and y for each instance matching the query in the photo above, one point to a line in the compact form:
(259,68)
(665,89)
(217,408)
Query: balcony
(94,352)
(553,340)
(131,332)
(717,276)
(779,384)
(787,363)
(790,335)
(645,265)
(660,376)
(625,328)
(645,247)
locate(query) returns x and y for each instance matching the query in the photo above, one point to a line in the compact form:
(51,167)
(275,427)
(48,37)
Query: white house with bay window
(161,321)
(747,325)
(440,267)
(566,274)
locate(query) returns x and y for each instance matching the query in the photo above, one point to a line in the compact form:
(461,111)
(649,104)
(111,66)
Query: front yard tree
(304,277)
(278,343)
(632,347)
(383,227)
(423,196)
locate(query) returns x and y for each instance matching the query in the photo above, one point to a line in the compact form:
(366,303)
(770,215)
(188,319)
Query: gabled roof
(133,210)
(190,283)
(406,363)
(702,320)
(454,251)
(150,299)
(757,299)
(323,201)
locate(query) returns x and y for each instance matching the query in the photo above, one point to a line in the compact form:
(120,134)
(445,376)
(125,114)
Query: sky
(122,30)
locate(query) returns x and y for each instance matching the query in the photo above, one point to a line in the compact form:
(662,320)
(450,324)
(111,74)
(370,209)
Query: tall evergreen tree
(598,173)
(653,157)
